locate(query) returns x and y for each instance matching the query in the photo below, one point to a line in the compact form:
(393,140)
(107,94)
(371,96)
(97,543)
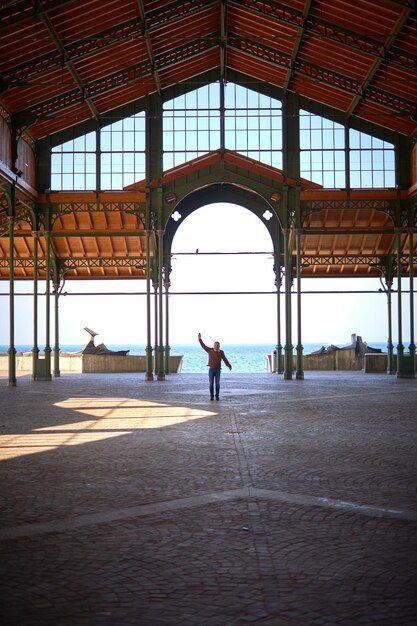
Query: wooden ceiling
(66,61)
(63,62)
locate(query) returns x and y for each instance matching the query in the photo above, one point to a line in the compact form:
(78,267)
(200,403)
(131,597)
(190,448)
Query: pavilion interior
(114,122)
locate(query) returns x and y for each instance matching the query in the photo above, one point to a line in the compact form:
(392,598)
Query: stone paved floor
(286,503)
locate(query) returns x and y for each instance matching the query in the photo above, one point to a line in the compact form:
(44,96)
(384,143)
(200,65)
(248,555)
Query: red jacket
(215,357)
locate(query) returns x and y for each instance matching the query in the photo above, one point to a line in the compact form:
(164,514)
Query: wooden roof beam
(300,34)
(345,84)
(223,39)
(389,42)
(145,32)
(316,26)
(126,76)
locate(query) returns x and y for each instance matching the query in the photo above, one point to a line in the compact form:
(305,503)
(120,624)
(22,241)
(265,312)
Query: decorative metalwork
(59,209)
(126,76)
(322,74)
(315,26)
(387,206)
(336,260)
(74,263)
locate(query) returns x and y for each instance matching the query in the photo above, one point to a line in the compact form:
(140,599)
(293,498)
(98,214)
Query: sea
(247,358)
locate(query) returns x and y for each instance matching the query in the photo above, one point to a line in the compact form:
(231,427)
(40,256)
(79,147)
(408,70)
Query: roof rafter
(121,78)
(315,26)
(379,61)
(346,84)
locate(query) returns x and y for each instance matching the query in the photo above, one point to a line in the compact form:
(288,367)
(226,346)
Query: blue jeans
(214,376)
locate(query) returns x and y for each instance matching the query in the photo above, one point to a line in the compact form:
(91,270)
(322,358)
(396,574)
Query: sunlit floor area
(285,503)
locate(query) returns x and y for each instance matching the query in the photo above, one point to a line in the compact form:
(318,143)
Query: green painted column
(47,364)
(35,349)
(278,350)
(57,371)
(161,369)
(149,364)
(12,350)
(400,346)
(278,369)
(288,282)
(167,285)
(390,345)
(412,347)
(299,371)
(155,326)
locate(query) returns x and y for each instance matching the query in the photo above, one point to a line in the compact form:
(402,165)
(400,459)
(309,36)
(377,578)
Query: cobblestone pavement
(286,503)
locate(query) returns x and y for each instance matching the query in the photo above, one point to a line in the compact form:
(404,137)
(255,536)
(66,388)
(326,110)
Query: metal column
(161,368)
(400,346)
(12,350)
(57,372)
(35,349)
(149,365)
(47,364)
(299,372)
(167,285)
(288,282)
(412,347)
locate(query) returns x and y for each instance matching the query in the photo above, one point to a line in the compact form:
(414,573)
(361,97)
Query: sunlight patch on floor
(111,417)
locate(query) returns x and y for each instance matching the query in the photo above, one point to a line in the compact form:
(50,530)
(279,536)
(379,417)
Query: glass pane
(389,179)
(229,96)
(90,142)
(215,96)
(316,139)
(328,179)
(79,144)
(305,142)
(191,99)
(355,179)
(202,140)
(79,181)
(105,140)
(230,140)
(265,139)
(117,141)
(139,140)
(129,141)
(179,140)
(340,180)
(203,101)
(90,181)
(128,162)
(56,163)
(305,163)
(140,164)
(378,179)
(67,162)
(339,138)
(128,124)
(67,182)
(56,182)
(354,138)
(328,138)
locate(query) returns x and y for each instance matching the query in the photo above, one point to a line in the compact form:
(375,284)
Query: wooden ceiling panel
(339,53)
(250,67)
(253,26)
(333,57)
(81,18)
(359,15)
(110,60)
